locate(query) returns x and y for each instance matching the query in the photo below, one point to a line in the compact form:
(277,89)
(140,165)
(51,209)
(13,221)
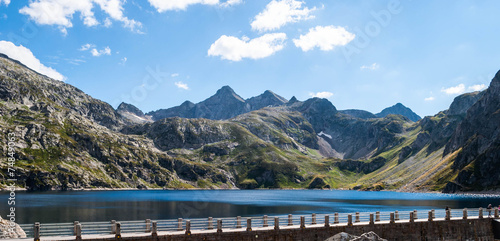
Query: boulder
(6,230)
(370,236)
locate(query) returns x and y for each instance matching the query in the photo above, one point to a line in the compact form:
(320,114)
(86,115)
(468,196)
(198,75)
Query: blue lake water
(49,207)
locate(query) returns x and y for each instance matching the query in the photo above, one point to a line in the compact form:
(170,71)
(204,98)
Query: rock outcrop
(132,113)
(10,230)
(370,236)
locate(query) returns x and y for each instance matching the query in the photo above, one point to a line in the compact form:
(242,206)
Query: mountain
(399,109)
(347,137)
(37,92)
(420,162)
(132,113)
(225,104)
(65,139)
(363,114)
(267,99)
(476,144)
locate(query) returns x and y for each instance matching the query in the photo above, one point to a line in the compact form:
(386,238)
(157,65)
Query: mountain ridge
(69,140)
(228,101)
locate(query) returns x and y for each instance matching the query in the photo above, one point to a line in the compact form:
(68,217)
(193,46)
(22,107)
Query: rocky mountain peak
(132,113)
(268,98)
(495,83)
(399,109)
(125,107)
(293,100)
(187,103)
(227,92)
(317,111)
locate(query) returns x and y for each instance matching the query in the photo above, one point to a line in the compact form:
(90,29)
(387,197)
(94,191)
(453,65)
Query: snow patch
(324,134)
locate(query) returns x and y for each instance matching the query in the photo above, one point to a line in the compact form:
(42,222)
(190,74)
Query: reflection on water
(48,207)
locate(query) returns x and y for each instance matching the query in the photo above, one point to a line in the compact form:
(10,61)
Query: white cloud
(75,61)
(97,53)
(6,2)
(107,23)
(123,60)
(25,56)
(324,94)
(278,13)
(477,87)
(459,89)
(181,85)
(168,5)
(174,75)
(86,47)
(114,9)
(235,49)
(60,12)
(325,38)
(230,3)
(373,66)
(431,98)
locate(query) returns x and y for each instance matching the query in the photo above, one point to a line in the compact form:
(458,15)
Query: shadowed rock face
(462,103)
(478,137)
(399,109)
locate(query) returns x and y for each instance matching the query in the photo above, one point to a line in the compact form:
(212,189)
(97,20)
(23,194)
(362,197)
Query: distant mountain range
(66,139)
(226,104)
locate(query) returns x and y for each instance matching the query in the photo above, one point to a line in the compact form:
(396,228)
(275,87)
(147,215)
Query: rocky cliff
(477,144)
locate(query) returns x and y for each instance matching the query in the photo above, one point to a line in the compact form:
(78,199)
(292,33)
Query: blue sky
(359,54)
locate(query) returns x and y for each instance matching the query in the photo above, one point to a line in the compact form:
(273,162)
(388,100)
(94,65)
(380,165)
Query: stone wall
(455,229)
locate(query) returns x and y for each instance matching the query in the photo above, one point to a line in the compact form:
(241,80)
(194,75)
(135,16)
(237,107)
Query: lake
(50,207)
